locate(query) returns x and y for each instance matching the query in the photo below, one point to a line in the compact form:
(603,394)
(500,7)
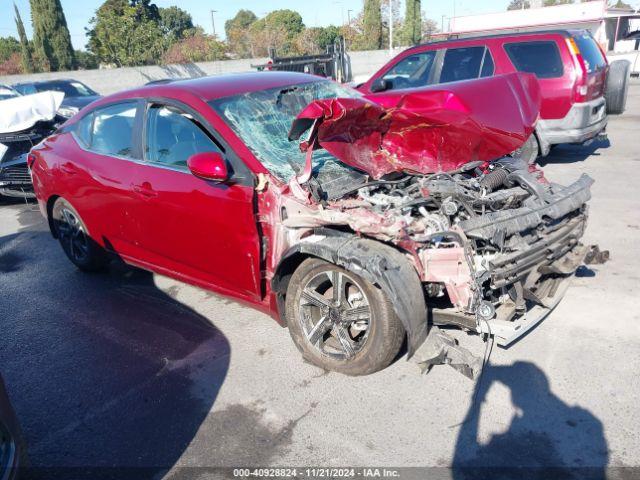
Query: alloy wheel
(72,234)
(335,314)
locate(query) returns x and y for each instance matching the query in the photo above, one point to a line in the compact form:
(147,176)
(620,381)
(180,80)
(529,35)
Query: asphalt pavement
(130,369)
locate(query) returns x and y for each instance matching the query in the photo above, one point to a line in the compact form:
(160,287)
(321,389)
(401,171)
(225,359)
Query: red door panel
(199,229)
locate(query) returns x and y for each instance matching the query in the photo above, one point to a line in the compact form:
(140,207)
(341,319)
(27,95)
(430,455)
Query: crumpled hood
(427,130)
(21,113)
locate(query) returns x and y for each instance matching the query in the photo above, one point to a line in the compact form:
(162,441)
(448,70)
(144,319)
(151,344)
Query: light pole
(213,24)
(349,17)
(390,27)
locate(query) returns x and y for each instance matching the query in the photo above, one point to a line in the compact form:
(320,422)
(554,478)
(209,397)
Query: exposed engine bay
(490,240)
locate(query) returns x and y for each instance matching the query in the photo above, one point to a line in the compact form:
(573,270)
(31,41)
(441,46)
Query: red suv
(569,65)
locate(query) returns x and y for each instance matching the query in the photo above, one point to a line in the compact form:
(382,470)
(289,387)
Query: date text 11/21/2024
(316,472)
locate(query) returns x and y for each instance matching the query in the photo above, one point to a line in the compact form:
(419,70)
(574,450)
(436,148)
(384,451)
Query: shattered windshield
(262,120)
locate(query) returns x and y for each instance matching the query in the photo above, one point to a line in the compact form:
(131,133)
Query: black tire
(617,86)
(372,349)
(529,151)
(75,240)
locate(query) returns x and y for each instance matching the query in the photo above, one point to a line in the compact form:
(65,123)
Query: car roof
(49,80)
(219,86)
(563,32)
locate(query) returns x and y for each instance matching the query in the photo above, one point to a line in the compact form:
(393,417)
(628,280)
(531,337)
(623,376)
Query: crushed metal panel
(427,130)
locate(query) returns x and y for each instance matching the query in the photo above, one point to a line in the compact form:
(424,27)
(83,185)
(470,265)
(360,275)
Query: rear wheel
(340,321)
(617,86)
(72,233)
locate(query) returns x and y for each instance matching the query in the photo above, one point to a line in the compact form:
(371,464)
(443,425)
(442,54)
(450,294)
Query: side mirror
(380,85)
(209,166)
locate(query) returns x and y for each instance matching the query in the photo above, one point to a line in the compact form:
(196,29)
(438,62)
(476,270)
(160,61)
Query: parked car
(569,64)
(13,454)
(76,94)
(354,223)
(25,120)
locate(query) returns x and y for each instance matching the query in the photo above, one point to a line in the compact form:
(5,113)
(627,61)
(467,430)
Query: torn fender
(381,265)
(427,130)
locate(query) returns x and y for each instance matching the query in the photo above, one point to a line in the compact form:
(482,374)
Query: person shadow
(546,439)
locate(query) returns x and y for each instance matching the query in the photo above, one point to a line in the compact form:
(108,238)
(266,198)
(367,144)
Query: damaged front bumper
(508,326)
(505,295)
(15,179)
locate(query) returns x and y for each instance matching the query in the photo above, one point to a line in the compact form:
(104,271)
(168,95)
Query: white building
(608,25)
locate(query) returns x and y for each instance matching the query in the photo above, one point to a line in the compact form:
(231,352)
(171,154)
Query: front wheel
(74,238)
(339,321)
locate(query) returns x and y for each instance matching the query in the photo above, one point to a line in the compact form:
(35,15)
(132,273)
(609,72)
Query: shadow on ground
(103,370)
(573,153)
(546,438)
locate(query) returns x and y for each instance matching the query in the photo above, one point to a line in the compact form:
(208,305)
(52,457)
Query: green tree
(8,46)
(51,39)
(412,22)
(372,25)
(242,20)
(195,48)
(429,27)
(327,36)
(26,55)
(278,30)
(518,5)
(315,40)
(238,30)
(126,34)
(552,3)
(86,60)
(289,20)
(175,23)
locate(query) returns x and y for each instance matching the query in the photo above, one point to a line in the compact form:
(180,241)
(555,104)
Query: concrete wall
(107,81)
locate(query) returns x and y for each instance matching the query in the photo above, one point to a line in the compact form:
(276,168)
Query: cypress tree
(413,22)
(27,58)
(51,39)
(372,25)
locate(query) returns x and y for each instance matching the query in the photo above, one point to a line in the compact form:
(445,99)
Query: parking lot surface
(133,369)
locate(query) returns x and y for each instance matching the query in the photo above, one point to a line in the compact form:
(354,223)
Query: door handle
(68,168)
(145,190)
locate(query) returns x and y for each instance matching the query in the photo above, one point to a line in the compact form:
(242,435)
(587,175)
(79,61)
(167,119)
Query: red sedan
(342,218)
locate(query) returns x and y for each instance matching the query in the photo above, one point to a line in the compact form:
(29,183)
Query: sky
(314,12)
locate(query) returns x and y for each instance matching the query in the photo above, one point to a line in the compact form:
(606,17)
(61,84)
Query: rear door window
(541,58)
(411,72)
(464,64)
(591,54)
(112,132)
